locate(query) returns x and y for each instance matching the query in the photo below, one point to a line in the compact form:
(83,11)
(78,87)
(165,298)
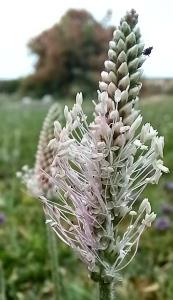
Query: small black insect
(147,51)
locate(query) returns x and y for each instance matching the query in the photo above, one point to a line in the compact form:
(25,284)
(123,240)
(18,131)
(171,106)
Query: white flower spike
(99,170)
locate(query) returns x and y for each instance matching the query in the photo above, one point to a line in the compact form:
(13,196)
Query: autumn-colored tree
(70,55)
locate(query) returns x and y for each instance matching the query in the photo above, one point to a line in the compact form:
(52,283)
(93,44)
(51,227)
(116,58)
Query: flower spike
(100,169)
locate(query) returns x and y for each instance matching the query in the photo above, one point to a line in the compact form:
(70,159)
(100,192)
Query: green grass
(25,264)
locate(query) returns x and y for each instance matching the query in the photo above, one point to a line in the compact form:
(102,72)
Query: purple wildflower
(168,186)
(162,223)
(166,208)
(2,218)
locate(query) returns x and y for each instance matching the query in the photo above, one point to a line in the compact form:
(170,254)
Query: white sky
(22,19)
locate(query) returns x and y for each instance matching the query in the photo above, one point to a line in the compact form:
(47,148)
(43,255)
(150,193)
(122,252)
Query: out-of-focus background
(49,51)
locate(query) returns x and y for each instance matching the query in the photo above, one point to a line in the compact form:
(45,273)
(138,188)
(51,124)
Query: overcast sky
(22,19)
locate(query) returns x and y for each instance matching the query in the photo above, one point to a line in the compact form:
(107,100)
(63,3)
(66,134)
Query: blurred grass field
(25,264)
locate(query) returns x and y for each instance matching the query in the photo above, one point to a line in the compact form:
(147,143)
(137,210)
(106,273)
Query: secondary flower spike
(36,179)
(100,169)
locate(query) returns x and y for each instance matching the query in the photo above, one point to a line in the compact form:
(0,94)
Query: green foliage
(10,86)
(25,268)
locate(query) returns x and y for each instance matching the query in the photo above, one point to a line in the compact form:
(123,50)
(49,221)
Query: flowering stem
(106,291)
(53,251)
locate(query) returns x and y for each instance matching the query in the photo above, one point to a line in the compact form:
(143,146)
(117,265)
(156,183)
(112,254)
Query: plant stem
(2,283)
(53,251)
(106,291)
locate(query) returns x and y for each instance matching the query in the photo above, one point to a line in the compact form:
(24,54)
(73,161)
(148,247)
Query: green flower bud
(125,28)
(123,69)
(132,52)
(109,65)
(135,77)
(130,40)
(134,92)
(117,35)
(137,33)
(130,119)
(126,109)
(111,88)
(103,86)
(121,46)
(124,96)
(133,65)
(140,48)
(112,45)
(112,54)
(124,83)
(122,57)
(112,77)
(104,76)
(141,61)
